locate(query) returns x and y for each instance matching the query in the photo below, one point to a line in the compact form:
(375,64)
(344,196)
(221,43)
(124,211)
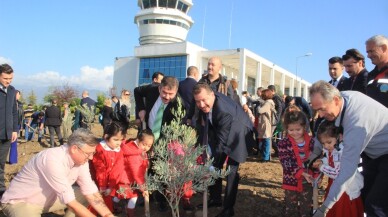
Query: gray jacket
(365,125)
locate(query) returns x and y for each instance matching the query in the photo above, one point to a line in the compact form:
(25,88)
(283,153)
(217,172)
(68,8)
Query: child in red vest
(294,151)
(135,166)
(108,157)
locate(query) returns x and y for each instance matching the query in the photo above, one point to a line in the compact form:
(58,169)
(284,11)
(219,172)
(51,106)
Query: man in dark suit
(185,89)
(217,82)
(156,111)
(354,63)
(9,118)
(336,69)
(155,96)
(53,121)
(228,135)
(156,79)
(89,102)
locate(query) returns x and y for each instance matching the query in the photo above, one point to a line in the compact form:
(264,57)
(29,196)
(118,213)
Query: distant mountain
(41,92)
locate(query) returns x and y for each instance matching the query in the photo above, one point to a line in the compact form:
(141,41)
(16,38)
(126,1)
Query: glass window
(153,3)
(146,3)
(184,8)
(163,3)
(145,21)
(180,5)
(173,22)
(287,91)
(151,21)
(251,85)
(166,21)
(159,20)
(171,3)
(172,66)
(146,73)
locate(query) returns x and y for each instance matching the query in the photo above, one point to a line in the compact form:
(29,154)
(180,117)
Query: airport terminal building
(163,26)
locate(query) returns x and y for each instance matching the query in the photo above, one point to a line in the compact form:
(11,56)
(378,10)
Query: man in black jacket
(354,63)
(156,110)
(228,131)
(9,118)
(185,89)
(53,120)
(336,68)
(216,81)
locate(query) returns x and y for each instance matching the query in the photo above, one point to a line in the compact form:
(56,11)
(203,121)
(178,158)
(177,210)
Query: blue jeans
(29,134)
(265,146)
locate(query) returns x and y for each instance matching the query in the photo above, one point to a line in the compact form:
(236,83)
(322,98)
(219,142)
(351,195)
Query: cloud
(5,60)
(88,78)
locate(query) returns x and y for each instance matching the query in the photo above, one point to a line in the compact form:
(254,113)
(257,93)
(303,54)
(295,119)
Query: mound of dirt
(260,192)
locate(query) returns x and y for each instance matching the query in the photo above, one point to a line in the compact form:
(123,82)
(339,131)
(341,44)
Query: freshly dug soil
(260,192)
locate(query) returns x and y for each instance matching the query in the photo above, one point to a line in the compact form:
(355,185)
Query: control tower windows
(149,3)
(167,3)
(182,7)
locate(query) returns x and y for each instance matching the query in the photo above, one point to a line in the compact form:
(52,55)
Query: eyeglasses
(127,94)
(87,155)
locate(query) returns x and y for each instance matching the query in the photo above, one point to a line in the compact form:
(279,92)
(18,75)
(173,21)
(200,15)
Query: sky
(50,43)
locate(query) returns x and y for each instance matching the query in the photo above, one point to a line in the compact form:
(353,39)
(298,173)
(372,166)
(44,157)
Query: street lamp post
(296,66)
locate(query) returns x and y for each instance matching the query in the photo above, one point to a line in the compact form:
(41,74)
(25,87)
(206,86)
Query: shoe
(211,203)
(162,207)
(226,213)
(187,206)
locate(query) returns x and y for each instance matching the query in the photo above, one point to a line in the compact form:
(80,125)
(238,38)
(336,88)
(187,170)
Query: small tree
(100,101)
(31,98)
(87,114)
(67,123)
(176,164)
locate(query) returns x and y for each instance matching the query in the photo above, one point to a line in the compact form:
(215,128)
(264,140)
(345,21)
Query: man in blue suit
(9,118)
(228,131)
(336,68)
(185,89)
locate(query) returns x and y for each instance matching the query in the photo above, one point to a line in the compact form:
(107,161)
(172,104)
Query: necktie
(333,82)
(158,122)
(205,140)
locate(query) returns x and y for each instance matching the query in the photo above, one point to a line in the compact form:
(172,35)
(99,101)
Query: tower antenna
(230,26)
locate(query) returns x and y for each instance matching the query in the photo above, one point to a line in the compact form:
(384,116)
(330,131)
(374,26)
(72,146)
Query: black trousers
(57,130)
(375,191)
(4,148)
(231,182)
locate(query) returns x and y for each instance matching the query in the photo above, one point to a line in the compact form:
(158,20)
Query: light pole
(296,66)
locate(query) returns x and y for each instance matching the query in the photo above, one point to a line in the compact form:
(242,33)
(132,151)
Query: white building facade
(163,26)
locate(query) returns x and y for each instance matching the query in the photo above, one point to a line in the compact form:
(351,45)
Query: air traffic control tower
(171,18)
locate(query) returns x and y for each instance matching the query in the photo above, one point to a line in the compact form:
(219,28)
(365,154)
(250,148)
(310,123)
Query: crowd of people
(345,123)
